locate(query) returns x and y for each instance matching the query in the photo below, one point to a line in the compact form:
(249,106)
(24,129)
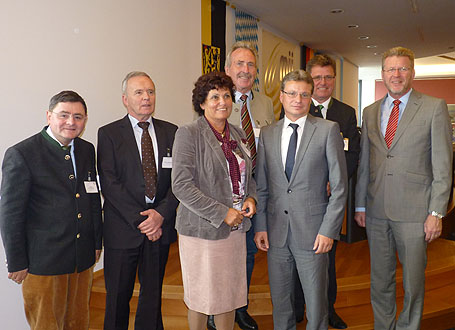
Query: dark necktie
(320,107)
(148,161)
(248,128)
(392,123)
(290,157)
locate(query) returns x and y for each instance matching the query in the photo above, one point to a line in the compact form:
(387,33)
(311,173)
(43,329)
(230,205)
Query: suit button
(389,156)
(67,157)
(79,215)
(78,235)
(71,176)
(285,212)
(289,191)
(78,195)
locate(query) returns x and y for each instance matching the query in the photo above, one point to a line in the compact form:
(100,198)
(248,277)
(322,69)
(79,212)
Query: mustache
(244,75)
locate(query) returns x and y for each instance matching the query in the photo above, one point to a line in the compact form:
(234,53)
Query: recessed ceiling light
(372,46)
(375,54)
(353,26)
(364,37)
(337,11)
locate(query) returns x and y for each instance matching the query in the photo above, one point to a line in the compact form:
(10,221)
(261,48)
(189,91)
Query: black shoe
(245,321)
(336,322)
(211,323)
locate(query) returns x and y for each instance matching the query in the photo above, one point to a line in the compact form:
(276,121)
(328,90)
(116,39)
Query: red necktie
(393,123)
(148,160)
(248,128)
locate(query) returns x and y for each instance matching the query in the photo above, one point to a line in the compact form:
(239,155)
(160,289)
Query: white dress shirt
(286,136)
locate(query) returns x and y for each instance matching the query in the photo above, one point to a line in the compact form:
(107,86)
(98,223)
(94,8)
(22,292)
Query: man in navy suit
(322,69)
(139,220)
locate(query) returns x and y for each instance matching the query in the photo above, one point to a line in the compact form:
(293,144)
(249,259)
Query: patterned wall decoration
(246,29)
(211,60)
(279,58)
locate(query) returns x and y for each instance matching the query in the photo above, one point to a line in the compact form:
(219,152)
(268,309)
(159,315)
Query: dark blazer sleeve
(345,116)
(16,184)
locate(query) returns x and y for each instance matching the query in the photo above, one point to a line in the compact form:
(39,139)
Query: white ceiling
(425,26)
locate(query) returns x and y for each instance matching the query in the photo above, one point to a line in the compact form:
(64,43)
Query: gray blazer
(201,182)
(413,177)
(301,205)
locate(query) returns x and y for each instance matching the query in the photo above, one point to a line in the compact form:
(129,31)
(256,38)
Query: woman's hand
(249,207)
(233,217)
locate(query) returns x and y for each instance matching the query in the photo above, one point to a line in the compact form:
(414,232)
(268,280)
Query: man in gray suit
(403,187)
(296,222)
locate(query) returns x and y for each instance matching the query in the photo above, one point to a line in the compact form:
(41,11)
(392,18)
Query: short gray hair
(298,75)
(131,75)
(241,44)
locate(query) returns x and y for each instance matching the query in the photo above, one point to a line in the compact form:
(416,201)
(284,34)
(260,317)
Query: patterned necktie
(148,161)
(393,123)
(320,107)
(290,157)
(248,128)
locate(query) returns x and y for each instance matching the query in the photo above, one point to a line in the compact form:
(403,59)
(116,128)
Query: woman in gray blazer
(211,177)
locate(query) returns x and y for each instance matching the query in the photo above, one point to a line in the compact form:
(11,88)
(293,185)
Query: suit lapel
(127,135)
(308,131)
(276,138)
(377,116)
(160,141)
(409,112)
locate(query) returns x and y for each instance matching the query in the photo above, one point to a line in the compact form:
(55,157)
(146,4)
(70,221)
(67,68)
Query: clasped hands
(235,217)
(151,226)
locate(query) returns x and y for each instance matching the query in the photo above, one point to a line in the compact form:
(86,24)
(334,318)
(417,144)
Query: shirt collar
(134,121)
(325,103)
(49,132)
(301,121)
(404,100)
(237,94)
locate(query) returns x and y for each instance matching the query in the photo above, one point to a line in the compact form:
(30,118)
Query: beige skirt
(214,273)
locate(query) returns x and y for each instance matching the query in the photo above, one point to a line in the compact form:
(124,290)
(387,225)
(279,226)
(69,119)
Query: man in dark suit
(50,217)
(134,162)
(296,220)
(322,69)
(403,187)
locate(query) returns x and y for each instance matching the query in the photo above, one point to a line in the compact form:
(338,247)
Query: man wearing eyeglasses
(50,217)
(322,69)
(403,187)
(296,220)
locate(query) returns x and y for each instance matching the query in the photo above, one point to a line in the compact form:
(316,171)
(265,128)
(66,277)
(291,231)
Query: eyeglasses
(293,95)
(327,78)
(66,115)
(401,70)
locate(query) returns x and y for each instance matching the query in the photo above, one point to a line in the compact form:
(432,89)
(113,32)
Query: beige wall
(350,84)
(89,46)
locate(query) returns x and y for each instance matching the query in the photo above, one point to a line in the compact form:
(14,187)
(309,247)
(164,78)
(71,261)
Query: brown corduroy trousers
(58,302)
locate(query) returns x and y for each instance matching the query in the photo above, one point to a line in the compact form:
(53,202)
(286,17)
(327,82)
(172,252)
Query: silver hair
(131,75)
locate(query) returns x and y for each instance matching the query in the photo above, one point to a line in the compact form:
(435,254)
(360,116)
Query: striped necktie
(248,128)
(392,123)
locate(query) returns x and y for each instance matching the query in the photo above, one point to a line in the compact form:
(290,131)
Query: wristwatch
(436,214)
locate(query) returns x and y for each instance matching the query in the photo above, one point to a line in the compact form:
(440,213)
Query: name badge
(90,187)
(167,162)
(346,144)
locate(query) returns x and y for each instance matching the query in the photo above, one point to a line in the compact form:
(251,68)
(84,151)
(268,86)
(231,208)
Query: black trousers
(148,261)
(299,302)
